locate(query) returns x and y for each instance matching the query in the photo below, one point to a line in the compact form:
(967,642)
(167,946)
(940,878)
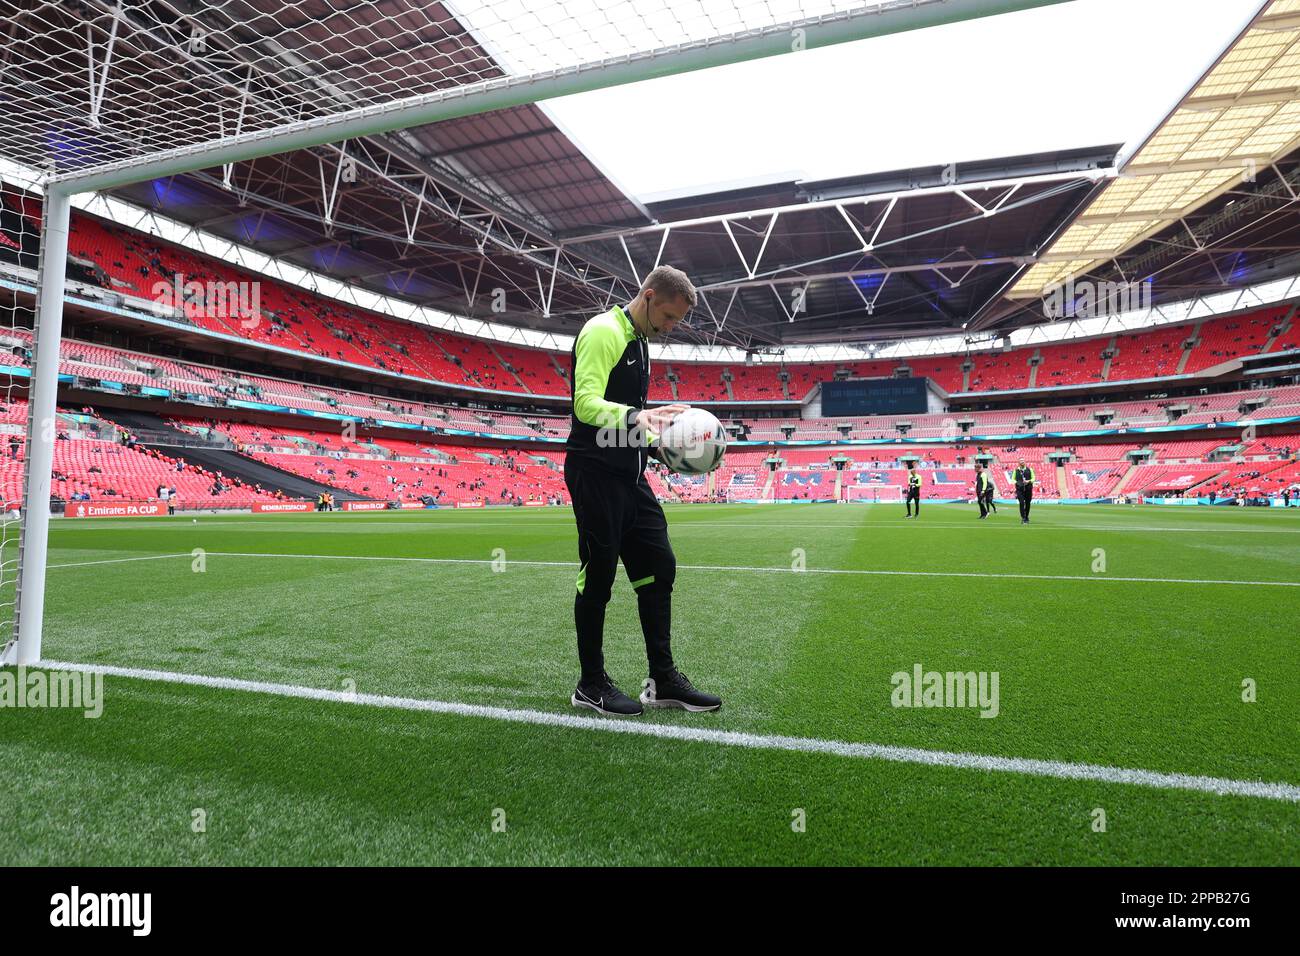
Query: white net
(100,94)
(874,492)
(96,85)
(20,230)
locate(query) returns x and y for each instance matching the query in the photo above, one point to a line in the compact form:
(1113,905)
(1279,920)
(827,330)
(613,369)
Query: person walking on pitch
(981,492)
(913,490)
(1024,479)
(990,492)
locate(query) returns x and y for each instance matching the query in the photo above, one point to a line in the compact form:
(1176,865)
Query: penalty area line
(863,751)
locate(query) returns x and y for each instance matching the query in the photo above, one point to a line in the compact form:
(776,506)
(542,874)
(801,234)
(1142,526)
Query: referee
(1024,479)
(913,489)
(619,518)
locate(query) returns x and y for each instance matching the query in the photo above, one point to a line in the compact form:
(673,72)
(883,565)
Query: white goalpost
(110,93)
(874,493)
(29,607)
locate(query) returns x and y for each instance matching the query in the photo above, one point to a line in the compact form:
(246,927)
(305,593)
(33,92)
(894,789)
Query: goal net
(104,94)
(20,229)
(874,492)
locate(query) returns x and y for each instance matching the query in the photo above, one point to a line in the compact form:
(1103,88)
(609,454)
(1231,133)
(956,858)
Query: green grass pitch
(1138,674)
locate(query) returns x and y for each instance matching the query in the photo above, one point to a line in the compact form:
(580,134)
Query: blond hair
(670,283)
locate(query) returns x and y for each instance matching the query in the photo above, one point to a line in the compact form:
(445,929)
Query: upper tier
(208,385)
(134,263)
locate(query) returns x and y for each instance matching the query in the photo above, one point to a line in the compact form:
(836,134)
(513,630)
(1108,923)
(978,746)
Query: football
(694,443)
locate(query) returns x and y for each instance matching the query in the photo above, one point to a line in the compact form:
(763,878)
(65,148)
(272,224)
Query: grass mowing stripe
(762,570)
(935,758)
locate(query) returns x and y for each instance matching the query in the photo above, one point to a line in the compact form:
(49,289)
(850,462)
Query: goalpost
(117,92)
(875,494)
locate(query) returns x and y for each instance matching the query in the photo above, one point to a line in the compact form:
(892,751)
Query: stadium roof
(893,254)
(448,213)
(1234,134)
(441,215)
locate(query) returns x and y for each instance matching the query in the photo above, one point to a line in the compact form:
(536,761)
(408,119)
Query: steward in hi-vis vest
(990,491)
(982,489)
(913,490)
(1025,479)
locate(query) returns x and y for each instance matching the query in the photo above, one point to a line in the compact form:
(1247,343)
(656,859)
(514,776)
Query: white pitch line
(146,557)
(1060,770)
(702,567)
(762,570)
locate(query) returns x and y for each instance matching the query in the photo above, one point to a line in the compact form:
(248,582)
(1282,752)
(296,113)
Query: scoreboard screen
(880,396)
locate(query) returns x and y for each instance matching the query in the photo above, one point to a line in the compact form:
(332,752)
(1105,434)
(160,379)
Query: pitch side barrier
(928,501)
(1218,502)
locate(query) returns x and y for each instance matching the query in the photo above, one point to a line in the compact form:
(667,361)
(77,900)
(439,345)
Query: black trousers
(1026,496)
(620,520)
(982,501)
(911,497)
(989,502)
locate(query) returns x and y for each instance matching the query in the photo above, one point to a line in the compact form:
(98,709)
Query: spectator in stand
(14,444)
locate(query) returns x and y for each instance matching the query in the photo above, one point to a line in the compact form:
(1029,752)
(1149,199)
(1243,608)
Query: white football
(694,443)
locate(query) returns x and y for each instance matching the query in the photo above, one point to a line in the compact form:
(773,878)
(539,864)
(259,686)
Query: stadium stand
(93,462)
(388,468)
(289,317)
(1152,353)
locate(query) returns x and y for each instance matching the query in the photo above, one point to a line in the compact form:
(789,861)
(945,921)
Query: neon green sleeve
(600,345)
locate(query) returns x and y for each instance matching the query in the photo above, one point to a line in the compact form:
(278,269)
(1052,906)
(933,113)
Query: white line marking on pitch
(146,557)
(760,570)
(704,567)
(913,755)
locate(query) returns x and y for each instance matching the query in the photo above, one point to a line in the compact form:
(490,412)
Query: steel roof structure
(447,213)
